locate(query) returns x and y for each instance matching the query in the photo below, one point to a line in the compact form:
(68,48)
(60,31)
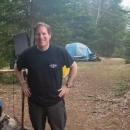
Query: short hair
(42,24)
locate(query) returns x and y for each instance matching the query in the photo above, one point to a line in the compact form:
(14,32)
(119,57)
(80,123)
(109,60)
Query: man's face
(42,37)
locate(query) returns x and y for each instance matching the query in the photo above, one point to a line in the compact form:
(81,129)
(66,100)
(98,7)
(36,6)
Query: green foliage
(127,47)
(127,61)
(14,17)
(5,51)
(118,53)
(70,20)
(111,25)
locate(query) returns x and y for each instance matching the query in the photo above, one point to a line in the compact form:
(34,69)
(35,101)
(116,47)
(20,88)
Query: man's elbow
(74,66)
(15,69)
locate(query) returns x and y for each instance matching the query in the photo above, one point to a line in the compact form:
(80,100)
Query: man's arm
(64,89)
(22,82)
(72,73)
(18,74)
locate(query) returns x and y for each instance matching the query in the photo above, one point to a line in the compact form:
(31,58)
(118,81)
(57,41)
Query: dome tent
(78,51)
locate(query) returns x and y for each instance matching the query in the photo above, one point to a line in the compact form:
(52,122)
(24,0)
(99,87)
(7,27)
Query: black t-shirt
(44,72)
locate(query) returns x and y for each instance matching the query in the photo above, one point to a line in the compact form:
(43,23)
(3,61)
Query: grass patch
(121,88)
(7,78)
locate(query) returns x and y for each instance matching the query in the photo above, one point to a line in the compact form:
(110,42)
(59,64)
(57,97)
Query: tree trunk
(32,23)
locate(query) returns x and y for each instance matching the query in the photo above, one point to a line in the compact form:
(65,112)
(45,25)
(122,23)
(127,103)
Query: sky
(126,2)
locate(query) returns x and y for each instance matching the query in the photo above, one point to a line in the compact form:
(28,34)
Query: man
(44,90)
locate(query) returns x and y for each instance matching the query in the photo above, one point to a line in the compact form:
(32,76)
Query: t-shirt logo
(53,65)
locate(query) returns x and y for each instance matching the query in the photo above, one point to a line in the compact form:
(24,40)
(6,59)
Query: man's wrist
(68,86)
(22,82)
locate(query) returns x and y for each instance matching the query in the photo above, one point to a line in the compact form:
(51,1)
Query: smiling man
(44,88)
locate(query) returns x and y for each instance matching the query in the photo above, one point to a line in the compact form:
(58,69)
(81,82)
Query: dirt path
(91,104)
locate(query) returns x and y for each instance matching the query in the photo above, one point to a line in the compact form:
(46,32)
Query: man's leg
(57,116)
(37,116)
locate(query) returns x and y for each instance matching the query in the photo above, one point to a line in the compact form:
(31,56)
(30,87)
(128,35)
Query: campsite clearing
(98,100)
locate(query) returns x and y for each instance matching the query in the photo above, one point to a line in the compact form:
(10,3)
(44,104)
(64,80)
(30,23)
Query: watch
(68,86)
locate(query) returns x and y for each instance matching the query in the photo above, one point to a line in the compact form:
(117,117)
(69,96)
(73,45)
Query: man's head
(44,25)
(42,34)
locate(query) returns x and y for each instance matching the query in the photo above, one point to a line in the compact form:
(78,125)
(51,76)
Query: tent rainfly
(78,51)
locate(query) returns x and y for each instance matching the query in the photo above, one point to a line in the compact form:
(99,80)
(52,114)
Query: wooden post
(22,119)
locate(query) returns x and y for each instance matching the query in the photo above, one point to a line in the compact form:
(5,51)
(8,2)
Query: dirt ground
(91,104)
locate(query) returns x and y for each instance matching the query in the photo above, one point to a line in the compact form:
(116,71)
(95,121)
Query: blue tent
(78,51)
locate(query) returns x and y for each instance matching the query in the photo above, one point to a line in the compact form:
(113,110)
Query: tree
(13,20)
(101,29)
(111,25)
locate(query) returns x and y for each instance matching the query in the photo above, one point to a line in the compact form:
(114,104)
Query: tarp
(65,71)
(78,51)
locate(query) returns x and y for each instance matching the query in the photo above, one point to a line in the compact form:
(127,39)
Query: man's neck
(43,48)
